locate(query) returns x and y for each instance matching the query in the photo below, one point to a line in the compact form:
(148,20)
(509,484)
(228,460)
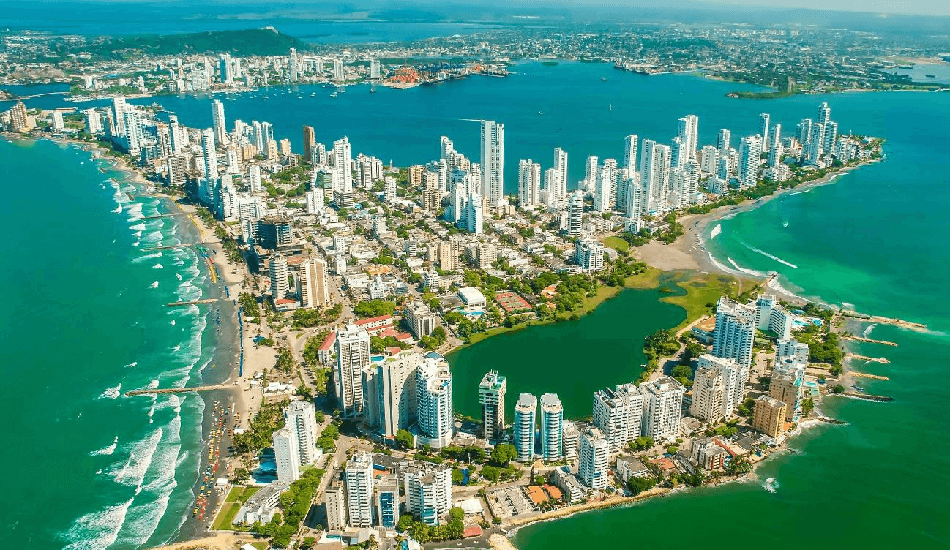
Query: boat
(929,76)
(333,94)
(604,79)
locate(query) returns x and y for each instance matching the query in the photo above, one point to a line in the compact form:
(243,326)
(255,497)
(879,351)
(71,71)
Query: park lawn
(226,516)
(703,289)
(617,243)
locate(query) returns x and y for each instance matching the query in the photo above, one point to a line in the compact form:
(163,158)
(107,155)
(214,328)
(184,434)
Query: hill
(265,41)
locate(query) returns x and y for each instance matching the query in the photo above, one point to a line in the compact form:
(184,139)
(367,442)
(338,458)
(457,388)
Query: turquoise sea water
(877,238)
(86,467)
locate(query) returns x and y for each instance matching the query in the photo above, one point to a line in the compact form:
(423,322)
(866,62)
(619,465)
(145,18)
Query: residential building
(732,386)
(707,399)
(434,402)
(428,490)
(493,162)
(575,212)
(630,153)
(335,502)
(785,386)
(552,419)
(593,459)
(524,427)
(472,299)
(386,501)
(529,184)
(734,331)
(769,416)
(358,475)
(750,149)
(663,399)
(396,378)
(420,319)
(286,455)
(310,144)
(589,254)
(629,466)
(570,439)
(492,399)
(300,419)
(218,121)
(353,355)
(279,274)
(312,284)
(618,414)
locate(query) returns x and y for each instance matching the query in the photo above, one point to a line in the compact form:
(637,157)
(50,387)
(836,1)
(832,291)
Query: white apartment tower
(552,418)
(630,153)
(750,149)
(559,188)
(358,475)
(279,273)
(524,428)
(218,119)
(353,355)
(300,420)
(286,455)
(593,459)
(493,162)
(313,288)
(764,130)
(492,399)
(428,489)
(618,414)
(662,402)
(434,402)
(734,331)
(529,184)
(342,175)
(687,131)
(397,390)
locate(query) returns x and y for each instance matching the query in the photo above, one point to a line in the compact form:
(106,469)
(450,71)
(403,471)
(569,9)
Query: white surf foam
(97,530)
(745,270)
(770,256)
(154,284)
(716,231)
(158,266)
(140,458)
(111,393)
(132,364)
(107,450)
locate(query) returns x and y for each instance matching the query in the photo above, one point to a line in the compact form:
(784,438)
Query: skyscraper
(277,268)
(575,212)
(210,156)
(353,354)
(824,113)
(492,399)
(734,331)
(723,141)
(590,172)
(397,391)
(313,289)
(342,174)
(428,489)
(552,419)
(593,459)
(561,168)
(286,455)
(630,153)
(300,420)
(617,413)
(524,427)
(434,402)
(293,65)
(310,144)
(358,474)
(687,131)
(529,184)
(750,149)
(218,119)
(662,402)
(764,130)
(493,162)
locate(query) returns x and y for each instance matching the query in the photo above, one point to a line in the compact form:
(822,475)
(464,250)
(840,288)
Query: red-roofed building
(326,351)
(285,304)
(553,492)
(393,351)
(375,324)
(472,531)
(404,337)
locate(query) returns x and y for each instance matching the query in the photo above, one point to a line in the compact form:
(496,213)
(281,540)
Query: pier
(167,247)
(886,321)
(147,391)
(191,302)
(869,340)
(866,397)
(867,375)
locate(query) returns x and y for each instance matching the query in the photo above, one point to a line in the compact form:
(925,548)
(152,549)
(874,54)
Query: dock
(886,321)
(149,391)
(869,340)
(191,302)
(867,375)
(865,396)
(167,247)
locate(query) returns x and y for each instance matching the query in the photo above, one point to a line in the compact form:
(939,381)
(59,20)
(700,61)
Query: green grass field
(236,497)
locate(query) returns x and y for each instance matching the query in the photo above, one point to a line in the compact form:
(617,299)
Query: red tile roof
(328,341)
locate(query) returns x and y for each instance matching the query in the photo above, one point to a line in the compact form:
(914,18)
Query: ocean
(87,467)
(877,238)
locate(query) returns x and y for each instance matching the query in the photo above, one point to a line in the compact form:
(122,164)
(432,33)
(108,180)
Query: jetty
(869,340)
(881,360)
(886,321)
(166,247)
(867,375)
(191,302)
(865,396)
(148,391)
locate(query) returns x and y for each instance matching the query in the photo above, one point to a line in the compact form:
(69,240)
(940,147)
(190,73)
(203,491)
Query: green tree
(405,439)
(502,454)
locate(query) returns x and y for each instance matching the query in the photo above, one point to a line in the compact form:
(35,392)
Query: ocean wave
(110,393)
(868,330)
(149,256)
(107,450)
(154,284)
(117,210)
(778,287)
(770,256)
(137,227)
(745,270)
(132,364)
(140,458)
(172,322)
(97,530)
(716,231)
(158,266)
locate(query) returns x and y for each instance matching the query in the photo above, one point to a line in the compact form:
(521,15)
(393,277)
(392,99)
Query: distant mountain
(265,41)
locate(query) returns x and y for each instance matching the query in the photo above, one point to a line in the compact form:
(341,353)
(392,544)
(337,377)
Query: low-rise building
(472,299)
(769,416)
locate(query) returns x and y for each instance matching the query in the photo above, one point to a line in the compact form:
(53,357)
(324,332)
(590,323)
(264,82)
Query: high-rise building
(750,150)
(428,489)
(662,408)
(589,254)
(630,153)
(687,132)
(552,420)
(678,152)
(358,474)
(300,419)
(723,141)
(421,319)
(709,155)
(342,174)
(338,71)
(605,187)
(353,355)
(286,455)
(335,502)
(764,130)
(218,120)
(434,402)
(558,189)
(769,416)
(655,170)
(590,172)
(734,331)
(310,144)
(375,69)
(492,399)
(397,391)
(313,287)
(718,390)
(824,113)
(386,501)
(209,155)
(570,439)
(493,162)
(529,184)
(279,273)
(593,459)
(786,386)
(524,427)
(618,414)
(293,65)
(575,212)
